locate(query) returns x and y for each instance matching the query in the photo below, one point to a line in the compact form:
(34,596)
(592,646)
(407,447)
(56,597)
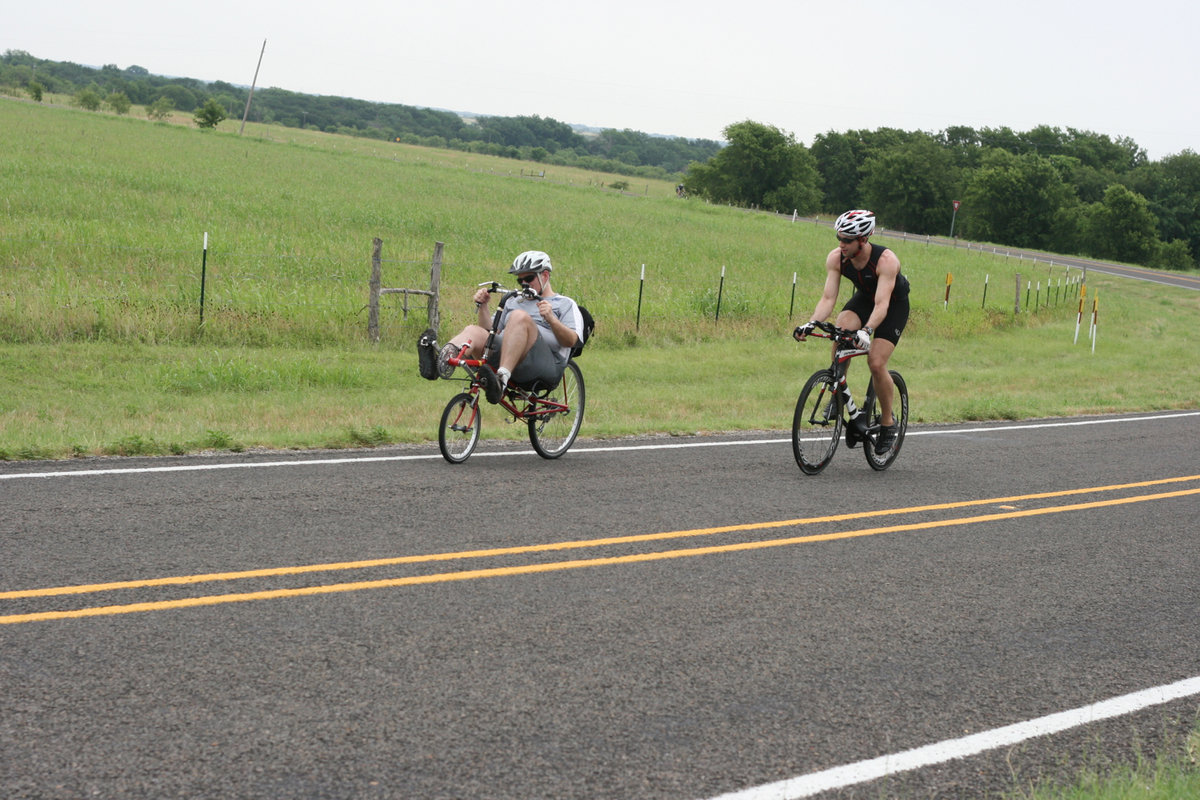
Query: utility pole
(250,97)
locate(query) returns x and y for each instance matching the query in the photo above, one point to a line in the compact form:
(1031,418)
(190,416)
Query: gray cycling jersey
(566,309)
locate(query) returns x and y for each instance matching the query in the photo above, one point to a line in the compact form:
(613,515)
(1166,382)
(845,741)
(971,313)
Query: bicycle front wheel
(817,424)
(551,434)
(459,432)
(881,461)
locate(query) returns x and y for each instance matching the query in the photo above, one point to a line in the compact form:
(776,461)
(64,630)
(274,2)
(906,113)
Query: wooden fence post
(376,281)
(435,282)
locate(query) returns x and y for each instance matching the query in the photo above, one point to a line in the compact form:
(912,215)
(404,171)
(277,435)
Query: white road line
(575,451)
(941,752)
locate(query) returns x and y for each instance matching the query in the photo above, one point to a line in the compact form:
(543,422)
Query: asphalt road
(652,618)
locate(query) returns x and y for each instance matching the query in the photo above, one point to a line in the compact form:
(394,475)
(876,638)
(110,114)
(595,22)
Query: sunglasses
(525,280)
(847,240)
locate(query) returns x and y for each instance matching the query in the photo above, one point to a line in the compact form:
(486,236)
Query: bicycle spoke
(459,431)
(817,423)
(551,432)
(881,461)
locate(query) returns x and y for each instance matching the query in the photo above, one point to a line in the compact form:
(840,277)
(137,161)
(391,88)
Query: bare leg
(881,379)
(849,321)
(520,334)
(474,334)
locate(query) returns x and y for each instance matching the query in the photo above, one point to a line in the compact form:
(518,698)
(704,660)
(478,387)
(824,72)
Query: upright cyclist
(533,339)
(878,311)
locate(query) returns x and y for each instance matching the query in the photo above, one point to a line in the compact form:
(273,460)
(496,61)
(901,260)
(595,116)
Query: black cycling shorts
(863,303)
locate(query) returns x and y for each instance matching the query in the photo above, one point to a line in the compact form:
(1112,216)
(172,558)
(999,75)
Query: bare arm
(482,313)
(565,336)
(833,281)
(888,269)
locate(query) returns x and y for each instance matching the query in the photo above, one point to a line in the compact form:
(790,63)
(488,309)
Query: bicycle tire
(459,430)
(899,415)
(817,423)
(553,434)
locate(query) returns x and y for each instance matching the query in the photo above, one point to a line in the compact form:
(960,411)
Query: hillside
(527,138)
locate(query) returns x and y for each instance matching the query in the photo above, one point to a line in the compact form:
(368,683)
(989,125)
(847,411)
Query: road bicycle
(553,414)
(825,407)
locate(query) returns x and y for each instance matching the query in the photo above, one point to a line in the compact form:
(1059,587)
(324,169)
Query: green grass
(103,351)
(1173,776)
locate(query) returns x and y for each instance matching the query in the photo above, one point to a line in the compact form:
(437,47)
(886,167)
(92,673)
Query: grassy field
(102,349)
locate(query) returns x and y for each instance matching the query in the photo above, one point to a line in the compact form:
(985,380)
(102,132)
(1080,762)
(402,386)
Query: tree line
(531,138)
(1065,191)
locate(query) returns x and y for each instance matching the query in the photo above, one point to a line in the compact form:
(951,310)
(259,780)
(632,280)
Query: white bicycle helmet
(859,222)
(531,261)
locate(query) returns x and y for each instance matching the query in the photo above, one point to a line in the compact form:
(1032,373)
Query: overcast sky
(678,68)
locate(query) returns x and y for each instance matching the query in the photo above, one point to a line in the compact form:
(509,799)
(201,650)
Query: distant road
(1179,279)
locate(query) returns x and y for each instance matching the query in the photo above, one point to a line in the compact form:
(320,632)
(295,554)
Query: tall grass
(100,273)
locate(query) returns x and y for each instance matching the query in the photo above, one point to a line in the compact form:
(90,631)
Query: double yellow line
(554,566)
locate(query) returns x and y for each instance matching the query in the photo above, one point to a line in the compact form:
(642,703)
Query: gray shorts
(539,364)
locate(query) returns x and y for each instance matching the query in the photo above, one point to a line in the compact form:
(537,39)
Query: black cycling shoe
(492,389)
(856,430)
(887,438)
(427,355)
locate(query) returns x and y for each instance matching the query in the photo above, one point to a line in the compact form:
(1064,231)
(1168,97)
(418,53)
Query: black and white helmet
(531,261)
(859,222)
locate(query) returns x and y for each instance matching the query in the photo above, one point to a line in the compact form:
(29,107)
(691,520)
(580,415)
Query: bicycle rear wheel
(817,424)
(551,434)
(899,416)
(459,431)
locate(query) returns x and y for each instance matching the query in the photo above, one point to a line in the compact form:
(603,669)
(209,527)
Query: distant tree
(35,91)
(209,115)
(182,97)
(160,109)
(1122,227)
(118,102)
(1173,255)
(633,147)
(837,160)
(962,142)
(1088,182)
(1003,138)
(840,156)
(1099,151)
(912,186)
(529,131)
(1015,200)
(761,166)
(87,98)
(1044,140)
(1172,186)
